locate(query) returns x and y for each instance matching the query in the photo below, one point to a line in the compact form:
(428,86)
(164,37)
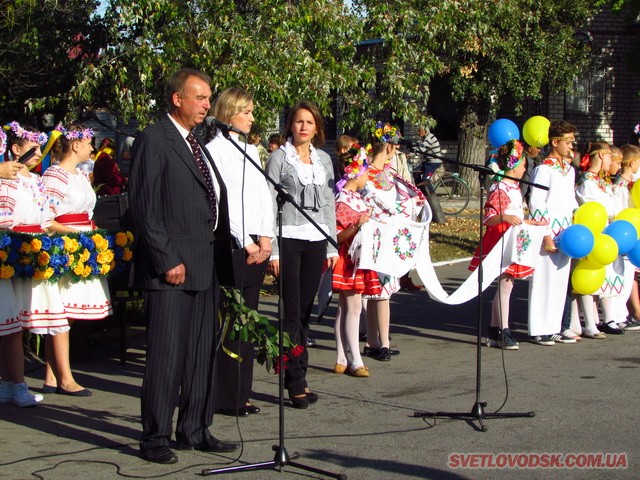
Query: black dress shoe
(371,352)
(610,329)
(161,454)
(252,409)
(85,392)
(211,444)
(312,397)
(49,388)
(384,355)
(232,412)
(299,402)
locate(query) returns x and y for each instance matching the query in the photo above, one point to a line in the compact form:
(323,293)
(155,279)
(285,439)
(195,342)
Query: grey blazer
(318,201)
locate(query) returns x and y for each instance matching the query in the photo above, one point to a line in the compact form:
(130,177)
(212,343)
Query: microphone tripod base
(477,413)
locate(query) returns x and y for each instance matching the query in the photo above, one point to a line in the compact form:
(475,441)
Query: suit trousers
(181,340)
(234,379)
(301,264)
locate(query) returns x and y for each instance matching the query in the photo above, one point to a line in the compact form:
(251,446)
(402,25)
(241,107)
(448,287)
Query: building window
(589,93)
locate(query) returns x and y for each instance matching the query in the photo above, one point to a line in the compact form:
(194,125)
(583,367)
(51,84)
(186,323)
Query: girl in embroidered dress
(623,182)
(351,283)
(592,187)
(72,203)
(548,287)
(503,209)
(20,199)
(386,195)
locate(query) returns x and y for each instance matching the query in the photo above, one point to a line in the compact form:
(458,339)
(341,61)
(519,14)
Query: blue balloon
(624,233)
(576,241)
(501,131)
(634,255)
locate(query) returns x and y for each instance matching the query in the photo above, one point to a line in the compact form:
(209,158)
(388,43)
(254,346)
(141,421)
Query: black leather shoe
(211,444)
(299,402)
(371,352)
(312,397)
(252,409)
(232,412)
(394,352)
(610,329)
(384,355)
(161,454)
(85,392)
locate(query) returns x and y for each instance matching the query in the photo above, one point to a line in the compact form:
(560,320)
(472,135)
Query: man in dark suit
(178,205)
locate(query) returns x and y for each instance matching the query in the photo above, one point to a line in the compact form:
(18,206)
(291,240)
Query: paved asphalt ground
(586,399)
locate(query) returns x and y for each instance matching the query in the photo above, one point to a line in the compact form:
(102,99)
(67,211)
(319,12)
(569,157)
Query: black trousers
(234,379)
(301,264)
(179,372)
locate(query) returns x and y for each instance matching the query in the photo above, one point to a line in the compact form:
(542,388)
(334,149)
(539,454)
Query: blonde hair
(630,153)
(229,103)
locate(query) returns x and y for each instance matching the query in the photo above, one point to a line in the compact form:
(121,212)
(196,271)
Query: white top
(592,188)
(69,192)
(621,194)
(24,201)
(505,197)
(558,203)
(249,197)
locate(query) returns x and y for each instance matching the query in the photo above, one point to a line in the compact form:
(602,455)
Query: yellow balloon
(605,250)
(635,193)
(592,215)
(631,215)
(586,280)
(535,131)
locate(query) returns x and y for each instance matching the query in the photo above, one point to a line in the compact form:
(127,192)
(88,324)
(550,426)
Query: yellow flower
(25,248)
(48,273)
(79,268)
(6,271)
(101,242)
(378,132)
(72,259)
(38,275)
(36,245)
(43,259)
(129,236)
(3,255)
(71,245)
(25,259)
(105,257)
(104,269)
(121,239)
(127,255)
(84,256)
(87,271)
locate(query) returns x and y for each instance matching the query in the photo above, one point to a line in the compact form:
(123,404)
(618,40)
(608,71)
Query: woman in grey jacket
(306,173)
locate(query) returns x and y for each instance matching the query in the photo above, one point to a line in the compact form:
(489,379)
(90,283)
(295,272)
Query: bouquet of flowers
(9,248)
(42,257)
(250,326)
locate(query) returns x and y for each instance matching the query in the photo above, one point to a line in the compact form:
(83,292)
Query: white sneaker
(6,392)
(22,397)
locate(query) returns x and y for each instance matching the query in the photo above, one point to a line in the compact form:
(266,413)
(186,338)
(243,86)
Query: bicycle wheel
(453,193)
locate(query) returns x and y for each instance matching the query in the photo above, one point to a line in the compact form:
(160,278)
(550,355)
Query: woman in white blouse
(251,222)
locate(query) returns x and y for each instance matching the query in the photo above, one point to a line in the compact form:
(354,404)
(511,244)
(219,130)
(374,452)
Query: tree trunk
(472,139)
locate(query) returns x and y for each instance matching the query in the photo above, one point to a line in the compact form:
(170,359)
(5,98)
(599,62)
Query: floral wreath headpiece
(75,134)
(356,163)
(514,158)
(387,133)
(585,161)
(20,132)
(3,142)
(636,130)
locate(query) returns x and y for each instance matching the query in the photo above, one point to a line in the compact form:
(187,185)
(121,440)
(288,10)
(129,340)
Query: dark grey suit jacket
(171,213)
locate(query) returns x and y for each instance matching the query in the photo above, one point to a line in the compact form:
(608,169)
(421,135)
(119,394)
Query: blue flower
(5,241)
(58,242)
(86,242)
(46,242)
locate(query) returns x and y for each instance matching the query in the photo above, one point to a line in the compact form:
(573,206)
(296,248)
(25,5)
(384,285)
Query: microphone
(225,127)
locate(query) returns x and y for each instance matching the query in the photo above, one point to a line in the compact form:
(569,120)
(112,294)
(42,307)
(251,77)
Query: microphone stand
(282,457)
(478,409)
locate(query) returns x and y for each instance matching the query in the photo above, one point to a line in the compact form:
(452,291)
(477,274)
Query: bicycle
(452,191)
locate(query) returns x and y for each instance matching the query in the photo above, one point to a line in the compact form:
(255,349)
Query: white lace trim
(307,174)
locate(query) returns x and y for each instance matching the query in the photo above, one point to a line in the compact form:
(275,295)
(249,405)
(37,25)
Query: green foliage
(249,326)
(42,46)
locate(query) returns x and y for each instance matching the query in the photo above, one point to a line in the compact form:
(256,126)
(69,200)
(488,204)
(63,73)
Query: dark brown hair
(319,138)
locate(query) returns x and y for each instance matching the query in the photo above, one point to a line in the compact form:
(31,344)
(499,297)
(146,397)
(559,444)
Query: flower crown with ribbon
(585,161)
(75,134)
(356,163)
(514,157)
(386,133)
(29,136)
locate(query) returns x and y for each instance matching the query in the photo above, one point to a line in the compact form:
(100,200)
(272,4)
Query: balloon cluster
(598,244)
(535,132)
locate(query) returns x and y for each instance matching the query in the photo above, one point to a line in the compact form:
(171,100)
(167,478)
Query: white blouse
(249,197)
(69,192)
(24,201)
